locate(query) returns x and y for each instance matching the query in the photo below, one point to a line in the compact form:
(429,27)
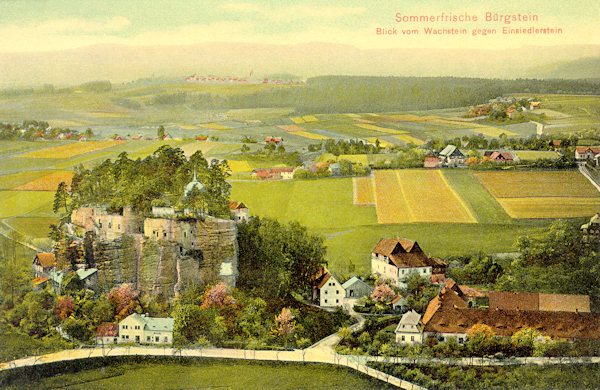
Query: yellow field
(297,119)
(186,126)
(352,115)
(537,184)
(537,154)
(410,195)
(47,183)
(409,139)
(550,207)
(390,203)
(364,192)
(306,134)
(71,149)
(310,118)
(408,118)
(215,126)
(383,143)
(355,158)
(239,166)
(203,146)
(291,128)
(380,129)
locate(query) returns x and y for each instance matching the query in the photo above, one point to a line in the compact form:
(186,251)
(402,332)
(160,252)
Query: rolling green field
(207,374)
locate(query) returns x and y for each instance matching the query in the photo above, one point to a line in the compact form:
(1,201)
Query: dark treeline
(380,94)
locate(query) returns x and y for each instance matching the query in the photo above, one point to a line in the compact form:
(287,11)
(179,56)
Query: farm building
(395,259)
(356,288)
(451,156)
(139,328)
(448,316)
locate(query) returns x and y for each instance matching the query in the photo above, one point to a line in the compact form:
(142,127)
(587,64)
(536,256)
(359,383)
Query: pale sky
(38,25)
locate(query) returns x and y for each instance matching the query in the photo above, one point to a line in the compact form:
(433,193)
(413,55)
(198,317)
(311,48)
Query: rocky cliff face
(163,265)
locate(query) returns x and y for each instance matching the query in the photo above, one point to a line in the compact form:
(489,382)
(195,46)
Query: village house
(397,258)
(451,156)
(107,333)
(432,161)
(591,230)
(240,211)
(583,153)
(286,173)
(501,157)
(448,316)
(408,332)
(43,264)
(328,291)
(274,140)
(355,287)
(139,328)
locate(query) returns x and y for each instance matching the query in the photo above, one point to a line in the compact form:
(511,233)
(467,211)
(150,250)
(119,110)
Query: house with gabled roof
(448,315)
(355,287)
(139,328)
(501,157)
(395,259)
(329,291)
(408,332)
(508,300)
(239,210)
(43,264)
(586,152)
(451,156)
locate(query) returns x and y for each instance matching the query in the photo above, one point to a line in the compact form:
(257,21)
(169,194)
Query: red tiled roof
(323,279)
(405,253)
(471,292)
(431,162)
(279,170)
(507,300)
(46,260)
(584,149)
(504,156)
(107,329)
(236,206)
(447,313)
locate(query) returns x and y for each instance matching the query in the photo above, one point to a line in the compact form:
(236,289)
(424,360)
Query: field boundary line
(460,200)
(409,211)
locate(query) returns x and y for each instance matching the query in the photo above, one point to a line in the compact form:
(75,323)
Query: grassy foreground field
(206,374)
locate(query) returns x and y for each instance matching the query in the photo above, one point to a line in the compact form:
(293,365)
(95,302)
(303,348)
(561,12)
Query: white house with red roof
(44,264)
(240,211)
(586,152)
(395,259)
(107,333)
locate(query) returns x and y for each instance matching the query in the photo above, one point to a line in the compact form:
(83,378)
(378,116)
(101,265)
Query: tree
(125,301)
(60,198)
(277,259)
(64,307)
(245,148)
(383,293)
(160,132)
(72,283)
(285,325)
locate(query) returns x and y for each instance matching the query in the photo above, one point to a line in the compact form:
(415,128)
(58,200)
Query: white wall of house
(157,337)
(332,293)
(131,331)
(241,215)
(380,265)
(107,340)
(410,336)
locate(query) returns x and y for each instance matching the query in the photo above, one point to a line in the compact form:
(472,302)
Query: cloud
(114,24)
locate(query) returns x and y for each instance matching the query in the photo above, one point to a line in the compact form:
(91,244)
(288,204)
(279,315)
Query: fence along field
(542,194)
(406,196)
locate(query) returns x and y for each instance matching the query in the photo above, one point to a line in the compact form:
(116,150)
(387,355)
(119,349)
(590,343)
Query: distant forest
(331,94)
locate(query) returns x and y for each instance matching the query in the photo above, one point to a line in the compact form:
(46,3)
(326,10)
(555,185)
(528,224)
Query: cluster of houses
(46,273)
(136,328)
(449,315)
(588,153)
(392,260)
(509,105)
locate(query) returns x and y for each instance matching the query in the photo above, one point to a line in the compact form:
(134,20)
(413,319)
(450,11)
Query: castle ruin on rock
(162,254)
